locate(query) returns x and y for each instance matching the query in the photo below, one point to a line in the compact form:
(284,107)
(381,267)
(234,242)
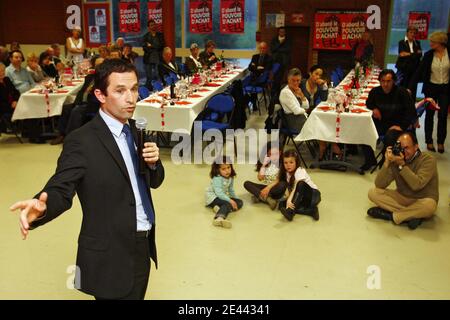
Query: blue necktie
(145,197)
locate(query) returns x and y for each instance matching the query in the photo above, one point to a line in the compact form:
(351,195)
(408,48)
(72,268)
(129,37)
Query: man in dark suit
(99,162)
(409,54)
(153,44)
(261,63)
(167,67)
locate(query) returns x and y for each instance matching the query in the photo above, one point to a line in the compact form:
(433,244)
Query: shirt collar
(114,125)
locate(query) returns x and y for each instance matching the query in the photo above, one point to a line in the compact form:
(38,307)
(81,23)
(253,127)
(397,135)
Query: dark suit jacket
(152,55)
(205,56)
(191,66)
(281,51)
(423,74)
(92,166)
(255,63)
(8,94)
(407,65)
(164,70)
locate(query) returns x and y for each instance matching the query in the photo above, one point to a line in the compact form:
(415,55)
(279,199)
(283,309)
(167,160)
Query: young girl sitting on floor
(304,195)
(270,190)
(220,194)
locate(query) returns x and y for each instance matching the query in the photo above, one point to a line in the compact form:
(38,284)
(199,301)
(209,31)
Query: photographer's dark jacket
(417,180)
(397,108)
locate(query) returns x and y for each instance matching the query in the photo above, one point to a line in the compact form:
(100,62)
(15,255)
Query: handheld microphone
(141,125)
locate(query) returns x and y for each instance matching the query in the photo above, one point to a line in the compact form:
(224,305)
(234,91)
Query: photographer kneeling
(415,174)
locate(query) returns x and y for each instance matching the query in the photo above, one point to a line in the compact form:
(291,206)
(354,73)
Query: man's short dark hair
(14,51)
(109,66)
(150,21)
(386,72)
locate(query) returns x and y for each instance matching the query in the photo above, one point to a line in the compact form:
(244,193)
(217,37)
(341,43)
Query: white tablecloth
(33,105)
(355,128)
(181,117)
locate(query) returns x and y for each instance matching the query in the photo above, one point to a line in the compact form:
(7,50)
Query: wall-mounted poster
(232,16)
(155,13)
(97,24)
(200,16)
(129,17)
(420,20)
(338,30)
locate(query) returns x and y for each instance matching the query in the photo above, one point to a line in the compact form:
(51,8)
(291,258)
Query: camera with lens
(397,149)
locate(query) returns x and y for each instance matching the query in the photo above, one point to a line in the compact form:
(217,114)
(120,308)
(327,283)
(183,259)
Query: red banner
(200,16)
(129,17)
(155,13)
(420,20)
(338,31)
(232,16)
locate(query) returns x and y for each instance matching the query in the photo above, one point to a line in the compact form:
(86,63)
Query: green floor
(262,257)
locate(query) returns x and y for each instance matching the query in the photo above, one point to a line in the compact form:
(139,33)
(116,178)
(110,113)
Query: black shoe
(312,212)
(37,140)
(288,213)
(414,223)
(379,213)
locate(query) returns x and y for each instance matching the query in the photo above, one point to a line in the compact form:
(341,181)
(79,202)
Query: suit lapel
(107,139)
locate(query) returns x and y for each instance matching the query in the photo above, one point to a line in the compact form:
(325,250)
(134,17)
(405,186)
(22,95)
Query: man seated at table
(8,98)
(208,57)
(167,68)
(46,65)
(416,177)
(19,76)
(55,56)
(393,112)
(260,63)
(192,62)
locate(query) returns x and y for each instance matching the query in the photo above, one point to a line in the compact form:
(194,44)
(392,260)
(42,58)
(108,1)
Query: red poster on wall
(200,16)
(155,13)
(338,30)
(129,17)
(420,20)
(232,16)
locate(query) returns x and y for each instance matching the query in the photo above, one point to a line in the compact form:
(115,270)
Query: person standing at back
(153,45)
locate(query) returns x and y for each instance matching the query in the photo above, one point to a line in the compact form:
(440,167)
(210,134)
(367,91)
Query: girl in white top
(304,196)
(75,46)
(269,190)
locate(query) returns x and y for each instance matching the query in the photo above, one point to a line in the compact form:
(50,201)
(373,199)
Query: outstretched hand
(30,210)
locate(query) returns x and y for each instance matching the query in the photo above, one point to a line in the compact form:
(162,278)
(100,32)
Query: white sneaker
(221,222)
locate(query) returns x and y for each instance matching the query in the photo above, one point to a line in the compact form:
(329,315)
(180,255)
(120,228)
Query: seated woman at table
(315,90)
(294,102)
(47,66)
(8,96)
(193,61)
(34,68)
(208,57)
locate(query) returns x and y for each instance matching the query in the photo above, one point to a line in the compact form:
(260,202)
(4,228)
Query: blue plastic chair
(258,88)
(143,92)
(216,109)
(157,85)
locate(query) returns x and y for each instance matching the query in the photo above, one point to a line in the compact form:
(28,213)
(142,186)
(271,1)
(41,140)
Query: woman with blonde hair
(34,68)
(433,71)
(75,46)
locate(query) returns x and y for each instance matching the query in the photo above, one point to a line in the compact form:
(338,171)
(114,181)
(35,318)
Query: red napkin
(212,84)
(359,110)
(62,91)
(195,96)
(162,94)
(35,91)
(183,102)
(204,90)
(360,104)
(325,108)
(152,101)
